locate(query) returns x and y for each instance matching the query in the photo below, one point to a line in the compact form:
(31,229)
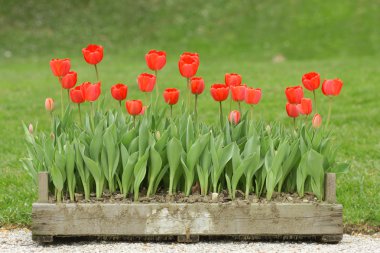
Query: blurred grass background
(270,43)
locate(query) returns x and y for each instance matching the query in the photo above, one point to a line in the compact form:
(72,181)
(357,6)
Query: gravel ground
(19,240)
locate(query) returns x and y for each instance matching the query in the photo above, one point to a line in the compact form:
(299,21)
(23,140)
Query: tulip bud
(317,120)
(30,128)
(234,117)
(49,104)
(52,136)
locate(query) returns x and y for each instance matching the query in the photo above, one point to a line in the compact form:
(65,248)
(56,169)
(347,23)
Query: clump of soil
(180,197)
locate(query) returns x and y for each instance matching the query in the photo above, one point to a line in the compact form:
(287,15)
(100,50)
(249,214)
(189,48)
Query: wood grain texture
(166,219)
(330,187)
(43,187)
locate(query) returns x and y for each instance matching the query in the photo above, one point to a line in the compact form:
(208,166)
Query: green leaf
(139,172)
(174,150)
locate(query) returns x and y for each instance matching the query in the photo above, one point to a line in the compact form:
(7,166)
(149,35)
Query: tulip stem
(195,107)
(315,101)
(80,115)
(239,107)
(294,123)
(188,93)
(157,91)
(171,111)
(62,101)
(134,121)
(251,112)
(230,103)
(92,115)
(120,104)
(329,113)
(97,73)
(221,115)
(147,98)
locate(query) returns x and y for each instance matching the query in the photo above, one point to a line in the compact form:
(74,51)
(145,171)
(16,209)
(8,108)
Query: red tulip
(69,80)
(92,91)
(234,117)
(155,60)
(143,110)
(77,94)
(305,107)
(188,64)
(171,96)
(146,82)
(134,107)
(252,96)
(294,94)
(93,54)
(195,56)
(238,92)
(311,80)
(292,110)
(232,79)
(332,87)
(317,121)
(197,85)
(219,92)
(49,104)
(60,67)
(119,91)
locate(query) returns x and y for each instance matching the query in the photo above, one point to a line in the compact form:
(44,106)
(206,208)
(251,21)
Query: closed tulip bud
(69,80)
(238,92)
(292,110)
(60,67)
(49,104)
(30,128)
(197,85)
(171,96)
(219,92)
(232,79)
(119,91)
(155,59)
(311,81)
(317,121)
(332,87)
(146,82)
(294,94)
(134,107)
(234,117)
(252,96)
(93,54)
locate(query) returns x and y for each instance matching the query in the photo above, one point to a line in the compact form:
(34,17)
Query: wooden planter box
(187,222)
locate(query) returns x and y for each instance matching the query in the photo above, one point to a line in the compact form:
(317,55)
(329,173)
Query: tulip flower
(317,121)
(294,94)
(331,88)
(171,96)
(220,92)
(188,66)
(49,104)
(311,81)
(93,54)
(232,79)
(197,86)
(60,67)
(119,92)
(292,111)
(78,96)
(305,107)
(92,91)
(234,117)
(146,82)
(69,80)
(238,93)
(134,108)
(155,59)
(252,97)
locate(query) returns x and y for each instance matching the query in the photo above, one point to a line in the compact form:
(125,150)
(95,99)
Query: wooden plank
(330,187)
(43,187)
(215,219)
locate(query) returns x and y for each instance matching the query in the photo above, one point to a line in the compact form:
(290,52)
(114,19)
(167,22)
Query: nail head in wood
(330,187)
(43,187)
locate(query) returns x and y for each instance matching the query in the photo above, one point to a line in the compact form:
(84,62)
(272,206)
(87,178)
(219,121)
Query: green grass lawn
(336,38)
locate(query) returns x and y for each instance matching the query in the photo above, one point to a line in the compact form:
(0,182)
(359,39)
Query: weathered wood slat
(233,219)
